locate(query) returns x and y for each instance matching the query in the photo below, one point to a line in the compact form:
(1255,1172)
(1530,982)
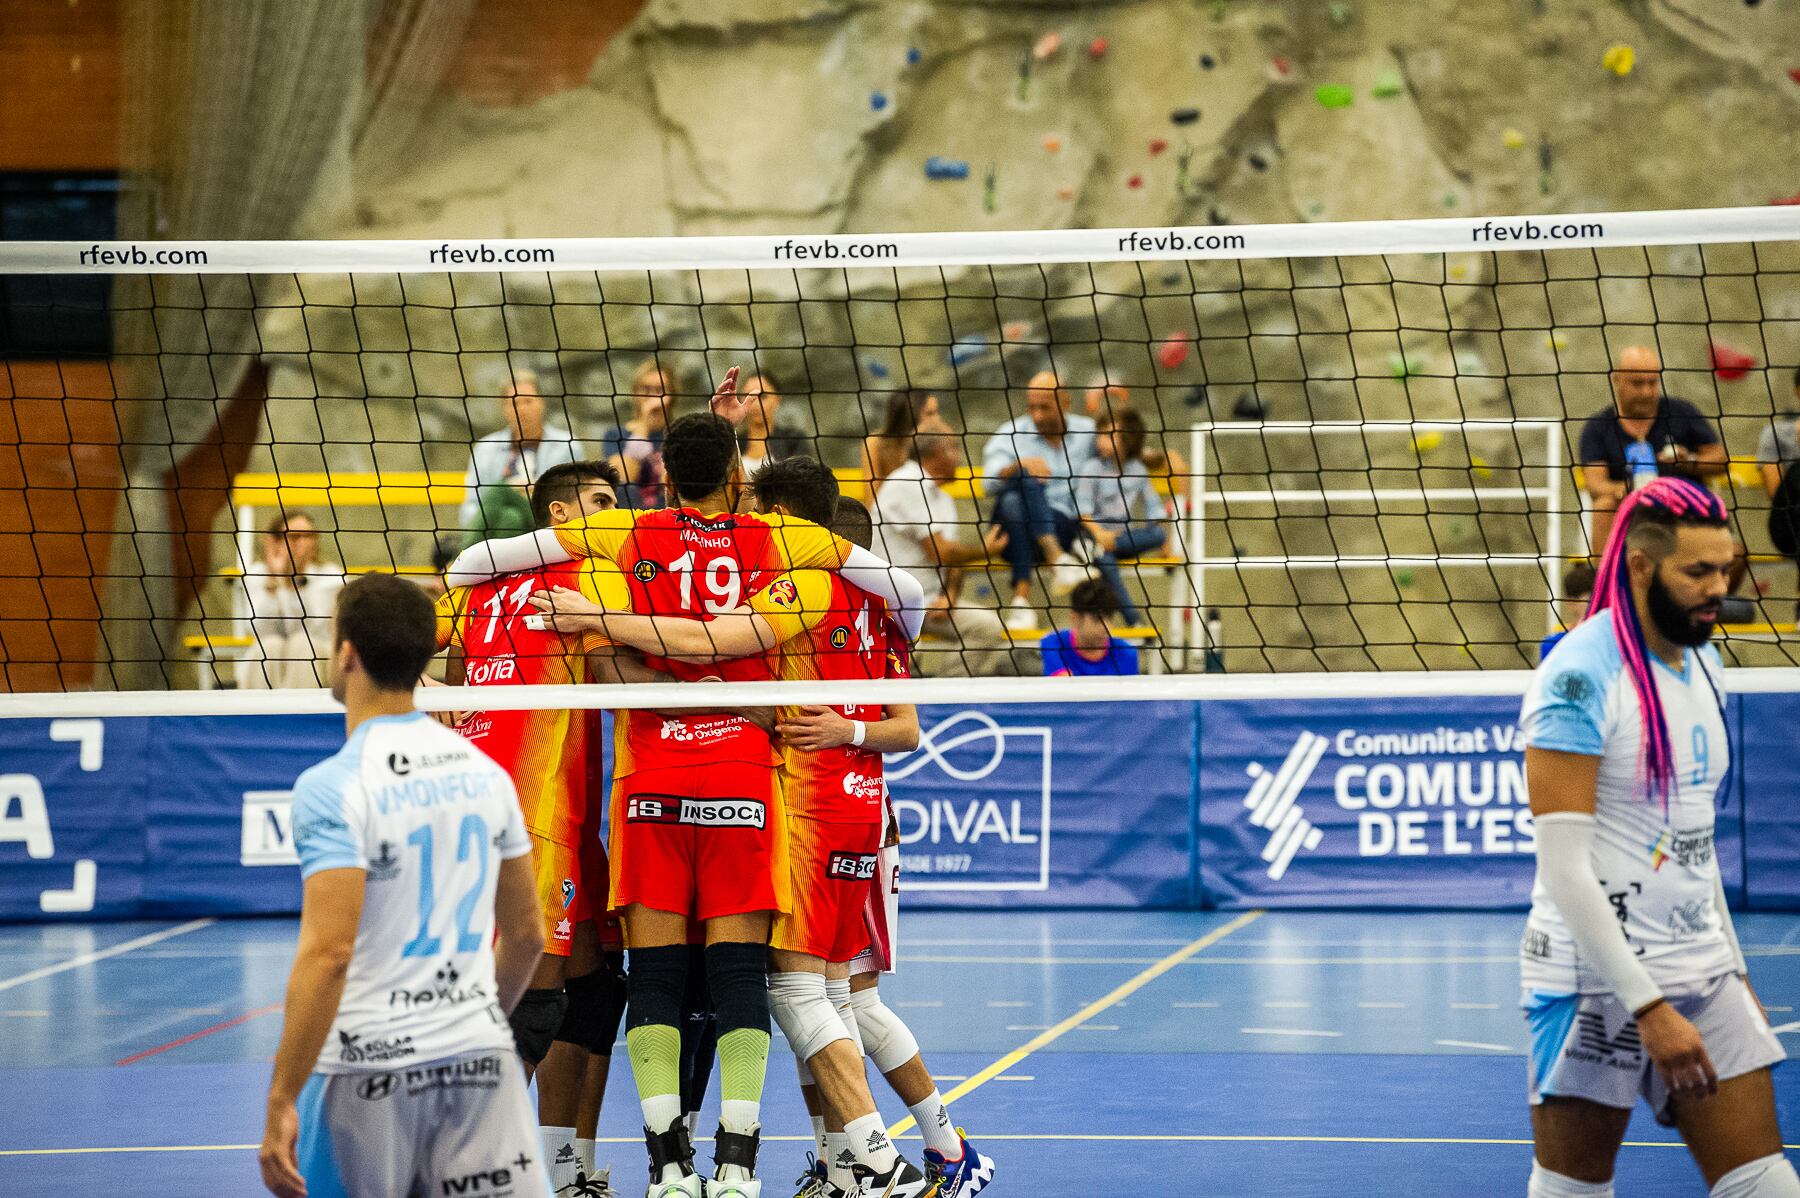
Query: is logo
(1272,807)
(699,813)
(851,867)
(783,593)
(840,637)
(384,866)
(377,1086)
(645,571)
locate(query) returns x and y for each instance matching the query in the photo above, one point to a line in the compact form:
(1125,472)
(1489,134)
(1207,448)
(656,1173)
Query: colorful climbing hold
(1512,139)
(1426,442)
(1015,330)
(989,190)
(1052,143)
(1479,465)
(1282,66)
(967,348)
(1184,116)
(1387,85)
(1730,364)
(1157,146)
(1619,59)
(1047,46)
(913,56)
(937,167)
(1097,48)
(1449,199)
(1793,199)
(1334,95)
(1208,62)
(1135,182)
(1403,576)
(877,101)
(875,368)
(1065,192)
(1555,340)
(1401,366)
(1258,162)
(1173,351)
(1340,12)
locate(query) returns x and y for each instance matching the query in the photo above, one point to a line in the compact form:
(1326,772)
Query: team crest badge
(840,637)
(644,571)
(568,891)
(783,592)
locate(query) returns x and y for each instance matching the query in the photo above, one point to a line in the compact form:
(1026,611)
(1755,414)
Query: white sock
(662,1112)
(1770,1176)
(736,1115)
(1545,1184)
(933,1118)
(818,1122)
(838,1159)
(560,1155)
(692,1121)
(869,1141)
(585,1150)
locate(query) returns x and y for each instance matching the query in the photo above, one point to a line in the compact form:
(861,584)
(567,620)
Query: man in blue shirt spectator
(1029,468)
(1088,646)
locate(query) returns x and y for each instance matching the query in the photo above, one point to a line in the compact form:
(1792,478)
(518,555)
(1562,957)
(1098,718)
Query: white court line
(1474,1006)
(1382,1006)
(193,925)
(1475,1044)
(1194,1005)
(1027,1027)
(1289,1005)
(1097,1027)
(1782,1029)
(1285,1031)
(1008,1003)
(924,1002)
(27,1014)
(1783,1010)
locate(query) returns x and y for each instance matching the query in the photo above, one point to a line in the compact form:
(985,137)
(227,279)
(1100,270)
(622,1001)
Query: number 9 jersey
(428,818)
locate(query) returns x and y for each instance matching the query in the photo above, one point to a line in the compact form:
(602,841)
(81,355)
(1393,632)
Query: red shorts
(832,866)
(703,843)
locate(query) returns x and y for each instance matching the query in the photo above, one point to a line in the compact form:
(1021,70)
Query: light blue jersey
(1659,872)
(428,818)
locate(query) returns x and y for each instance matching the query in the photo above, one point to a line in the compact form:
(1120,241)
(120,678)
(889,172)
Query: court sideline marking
(193,925)
(246,1017)
(1122,991)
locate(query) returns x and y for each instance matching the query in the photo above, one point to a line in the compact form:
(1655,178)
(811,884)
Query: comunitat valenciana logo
(1439,791)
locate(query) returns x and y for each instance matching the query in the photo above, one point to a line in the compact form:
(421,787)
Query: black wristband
(1649,1007)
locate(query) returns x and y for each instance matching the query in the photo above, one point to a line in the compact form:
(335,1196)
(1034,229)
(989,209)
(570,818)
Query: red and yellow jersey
(505,642)
(682,562)
(831,630)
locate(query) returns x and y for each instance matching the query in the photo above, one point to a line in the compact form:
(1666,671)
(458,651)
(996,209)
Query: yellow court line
(1134,1139)
(1117,994)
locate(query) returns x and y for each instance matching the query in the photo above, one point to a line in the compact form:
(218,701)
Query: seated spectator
(1577,589)
(1646,433)
(504,464)
(908,413)
(1087,645)
(1030,465)
(1167,463)
(916,529)
(634,449)
(1779,456)
(290,597)
(1119,508)
(767,436)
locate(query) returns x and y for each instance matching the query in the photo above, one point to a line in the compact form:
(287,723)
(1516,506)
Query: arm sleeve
(796,602)
(326,835)
(507,555)
(1725,925)
(1565,867)
(904,594)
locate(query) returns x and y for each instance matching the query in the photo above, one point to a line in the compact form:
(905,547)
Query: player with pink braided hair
(1634,985)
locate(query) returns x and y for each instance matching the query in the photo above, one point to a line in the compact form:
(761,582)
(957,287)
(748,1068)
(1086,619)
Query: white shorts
(881,911)
(1587,1046)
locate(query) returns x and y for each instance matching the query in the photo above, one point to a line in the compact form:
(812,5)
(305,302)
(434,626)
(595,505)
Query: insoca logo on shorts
(700,813)
(861,786)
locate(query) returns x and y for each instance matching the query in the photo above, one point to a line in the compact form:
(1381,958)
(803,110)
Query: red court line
(246,1017)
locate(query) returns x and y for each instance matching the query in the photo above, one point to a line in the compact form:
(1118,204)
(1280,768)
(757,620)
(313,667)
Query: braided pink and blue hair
(1681,500)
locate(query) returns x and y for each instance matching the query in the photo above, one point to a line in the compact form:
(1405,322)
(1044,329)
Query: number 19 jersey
(428,819)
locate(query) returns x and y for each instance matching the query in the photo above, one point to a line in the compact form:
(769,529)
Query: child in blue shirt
(1088,646)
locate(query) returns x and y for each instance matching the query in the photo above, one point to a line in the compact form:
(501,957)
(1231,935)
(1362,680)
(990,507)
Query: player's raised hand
(726,401)
(815,727)
(280,1165)
(1674,1045)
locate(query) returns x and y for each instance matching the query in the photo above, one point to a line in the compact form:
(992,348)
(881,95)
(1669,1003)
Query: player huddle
(749,862)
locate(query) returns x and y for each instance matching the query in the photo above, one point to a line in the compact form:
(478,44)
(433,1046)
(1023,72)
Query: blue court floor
(1098,1053)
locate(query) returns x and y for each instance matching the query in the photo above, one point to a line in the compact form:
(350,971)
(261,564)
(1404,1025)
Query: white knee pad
(1545,1184)
(838,991)
(1765,1177)
(806,1016)
(886,1039)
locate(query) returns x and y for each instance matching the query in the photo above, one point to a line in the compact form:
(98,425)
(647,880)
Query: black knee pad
(596,1004)
(534,1022)
(653,986)
(738,976)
